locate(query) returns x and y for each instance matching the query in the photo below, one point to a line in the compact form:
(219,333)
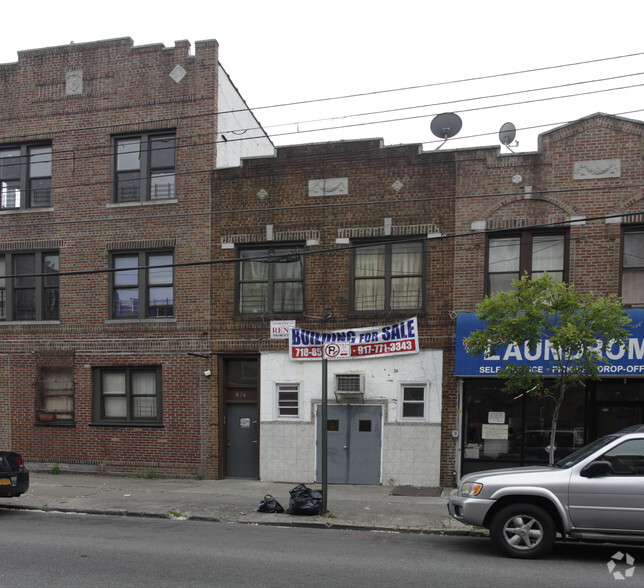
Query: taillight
(21,462)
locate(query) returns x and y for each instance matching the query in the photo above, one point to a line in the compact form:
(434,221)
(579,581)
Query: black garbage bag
(304,501)
(269,504)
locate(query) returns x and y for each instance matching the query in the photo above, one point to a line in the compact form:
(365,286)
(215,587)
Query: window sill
(141,203)
(26,210)
(146,321)
(54,424)
(129,425)
(14,323)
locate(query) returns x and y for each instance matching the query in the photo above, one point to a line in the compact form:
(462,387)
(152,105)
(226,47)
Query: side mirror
(596,469)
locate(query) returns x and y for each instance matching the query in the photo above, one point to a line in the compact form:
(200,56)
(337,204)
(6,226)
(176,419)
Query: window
(25,177)
(509,257)
(626,459)
(413,401)
(127,395)
(633,268)
(56,395)
(32,293)
(271,280)
(142,285)
(144,167)
(288,400)
(388,277)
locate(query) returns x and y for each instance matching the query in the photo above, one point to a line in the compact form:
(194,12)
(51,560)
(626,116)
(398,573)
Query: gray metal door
(354,438)
(241,431)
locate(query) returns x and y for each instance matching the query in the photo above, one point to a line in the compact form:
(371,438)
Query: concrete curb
(297,522)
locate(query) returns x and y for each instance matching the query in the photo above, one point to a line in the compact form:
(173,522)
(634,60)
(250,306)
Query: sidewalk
(235,500)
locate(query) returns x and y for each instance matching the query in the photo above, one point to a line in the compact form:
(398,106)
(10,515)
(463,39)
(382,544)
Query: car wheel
(523,530)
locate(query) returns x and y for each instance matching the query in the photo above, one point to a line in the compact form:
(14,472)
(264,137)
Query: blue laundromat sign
(622,361)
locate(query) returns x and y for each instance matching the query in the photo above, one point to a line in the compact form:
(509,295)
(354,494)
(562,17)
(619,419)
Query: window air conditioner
(349,388)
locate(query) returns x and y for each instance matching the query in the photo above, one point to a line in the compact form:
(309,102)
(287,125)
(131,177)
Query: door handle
(228,443)
(346,447)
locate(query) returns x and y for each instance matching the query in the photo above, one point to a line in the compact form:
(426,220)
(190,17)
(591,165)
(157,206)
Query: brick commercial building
(574,209)
(105,160)
(335,237)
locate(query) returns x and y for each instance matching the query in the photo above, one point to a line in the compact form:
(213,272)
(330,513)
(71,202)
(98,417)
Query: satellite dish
(507,134)
(445,126)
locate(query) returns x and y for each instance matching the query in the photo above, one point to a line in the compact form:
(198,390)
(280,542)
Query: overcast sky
(283,51)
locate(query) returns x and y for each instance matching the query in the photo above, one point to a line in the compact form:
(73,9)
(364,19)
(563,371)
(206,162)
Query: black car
(14,477)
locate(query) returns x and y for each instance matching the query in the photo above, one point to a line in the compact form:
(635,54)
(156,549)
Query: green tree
(577,327)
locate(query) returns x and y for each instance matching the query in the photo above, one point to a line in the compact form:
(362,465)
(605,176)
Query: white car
(595,493)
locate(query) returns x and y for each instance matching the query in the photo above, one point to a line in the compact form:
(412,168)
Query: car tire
(523,530)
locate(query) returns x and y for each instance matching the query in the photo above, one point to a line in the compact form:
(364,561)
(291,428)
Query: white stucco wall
(239,134)
(410,447)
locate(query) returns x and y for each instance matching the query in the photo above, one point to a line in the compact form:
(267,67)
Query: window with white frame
(413,401)
(288,400)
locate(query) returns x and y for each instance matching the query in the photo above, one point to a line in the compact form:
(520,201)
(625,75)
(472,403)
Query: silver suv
(595,493)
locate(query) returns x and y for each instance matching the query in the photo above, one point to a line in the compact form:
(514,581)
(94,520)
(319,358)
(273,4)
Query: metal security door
(241,451)
(353,444)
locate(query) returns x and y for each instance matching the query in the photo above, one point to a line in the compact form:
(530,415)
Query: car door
(614,502)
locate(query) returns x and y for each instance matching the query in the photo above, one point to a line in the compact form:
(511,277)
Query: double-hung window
(130,395)
(388,277)
(414,401)
(144,167)
(288,400)
(512,256)
(142,285)
(270,280)
(25,177)
(633,267)
(30,292)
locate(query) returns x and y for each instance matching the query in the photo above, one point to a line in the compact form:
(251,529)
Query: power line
(260,128)
(449,82)
(324,206)
(275,258)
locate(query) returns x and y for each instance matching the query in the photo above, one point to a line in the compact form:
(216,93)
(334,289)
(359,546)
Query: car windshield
(583,452)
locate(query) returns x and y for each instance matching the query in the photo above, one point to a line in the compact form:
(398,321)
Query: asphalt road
(78,550)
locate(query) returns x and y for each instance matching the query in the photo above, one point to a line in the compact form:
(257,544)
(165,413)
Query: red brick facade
(550,194)
(76,98)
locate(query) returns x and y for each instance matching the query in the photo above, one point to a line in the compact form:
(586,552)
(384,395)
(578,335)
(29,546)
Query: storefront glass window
(501,430)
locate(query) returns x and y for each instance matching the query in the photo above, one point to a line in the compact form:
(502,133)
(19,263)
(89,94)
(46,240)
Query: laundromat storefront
(501,430)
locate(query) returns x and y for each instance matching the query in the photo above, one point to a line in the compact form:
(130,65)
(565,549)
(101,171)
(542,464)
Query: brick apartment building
(575,209)
(152,265)
(333,237)
(106,151)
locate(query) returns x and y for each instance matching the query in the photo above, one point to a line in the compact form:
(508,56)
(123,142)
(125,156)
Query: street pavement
(384,508)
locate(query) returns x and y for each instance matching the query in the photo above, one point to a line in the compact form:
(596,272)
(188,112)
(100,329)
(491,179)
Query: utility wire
(287,256)
(213,113)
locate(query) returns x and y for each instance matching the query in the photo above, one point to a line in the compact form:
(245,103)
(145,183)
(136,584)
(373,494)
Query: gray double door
(354,440)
